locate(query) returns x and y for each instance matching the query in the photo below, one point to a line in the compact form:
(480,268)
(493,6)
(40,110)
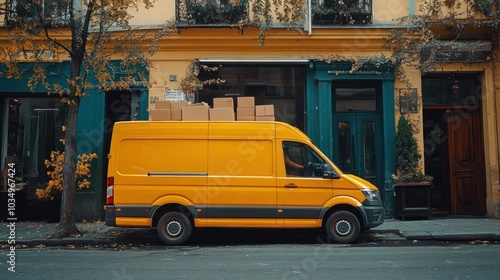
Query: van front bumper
(373,213)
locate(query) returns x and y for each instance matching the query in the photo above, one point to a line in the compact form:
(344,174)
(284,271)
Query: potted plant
(412,186)
(406,154)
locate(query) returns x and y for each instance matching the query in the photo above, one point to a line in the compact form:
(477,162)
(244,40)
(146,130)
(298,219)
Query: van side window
(301,160)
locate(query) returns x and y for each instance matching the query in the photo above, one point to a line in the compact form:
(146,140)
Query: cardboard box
(264,118)
(245,112)
(176,115)
(248,118)
(159,115)
(177,105)
(195,112)
(176,109)
(199,104)
(162,104)
(264,110)
(246,101)
(221,114)
(223,102)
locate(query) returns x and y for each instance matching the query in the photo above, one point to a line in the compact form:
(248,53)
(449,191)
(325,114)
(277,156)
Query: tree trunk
(67,226)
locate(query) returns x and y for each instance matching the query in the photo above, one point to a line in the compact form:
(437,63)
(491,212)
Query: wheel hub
(343,227)
(174,228)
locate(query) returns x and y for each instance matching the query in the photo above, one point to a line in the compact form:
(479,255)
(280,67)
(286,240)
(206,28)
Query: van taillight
(109,190)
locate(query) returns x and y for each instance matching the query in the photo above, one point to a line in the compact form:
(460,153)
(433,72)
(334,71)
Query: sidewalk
(97,233)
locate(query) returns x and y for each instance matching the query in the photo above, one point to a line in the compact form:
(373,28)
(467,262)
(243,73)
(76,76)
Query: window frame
(328,12)
(56,18)
(309,159)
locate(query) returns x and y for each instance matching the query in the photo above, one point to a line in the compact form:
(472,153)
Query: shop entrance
(357,130)
(454,154)
(358,151)
(31,130)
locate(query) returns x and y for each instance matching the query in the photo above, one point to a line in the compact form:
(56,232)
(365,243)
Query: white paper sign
(174,95)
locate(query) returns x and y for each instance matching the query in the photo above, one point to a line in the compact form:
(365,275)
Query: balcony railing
(335,12)
(211,12)
(50,13)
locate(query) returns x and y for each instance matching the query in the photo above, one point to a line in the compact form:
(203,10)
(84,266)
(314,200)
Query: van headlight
(371,194)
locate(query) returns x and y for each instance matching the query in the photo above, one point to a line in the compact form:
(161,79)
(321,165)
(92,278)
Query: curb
(137,238)
(58,242)
(454,237)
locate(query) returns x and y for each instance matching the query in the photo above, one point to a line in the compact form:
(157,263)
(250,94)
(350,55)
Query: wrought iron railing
(37,13)
(333,12)
(211,12)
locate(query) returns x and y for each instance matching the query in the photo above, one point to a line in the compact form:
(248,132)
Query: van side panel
(162,155)
(241,176)
(155,164)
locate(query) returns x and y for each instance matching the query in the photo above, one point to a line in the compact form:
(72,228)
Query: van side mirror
(329,173)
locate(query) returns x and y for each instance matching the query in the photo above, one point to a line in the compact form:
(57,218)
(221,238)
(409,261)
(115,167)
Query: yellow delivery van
(176,176)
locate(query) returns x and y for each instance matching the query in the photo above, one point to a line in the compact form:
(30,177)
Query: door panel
(357,143)
(301,196)
(466,163)
(241,182)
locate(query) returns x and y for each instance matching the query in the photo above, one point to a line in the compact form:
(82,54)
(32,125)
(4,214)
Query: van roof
(197,129)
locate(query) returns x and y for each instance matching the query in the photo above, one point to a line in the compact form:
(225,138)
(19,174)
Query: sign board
(174,95)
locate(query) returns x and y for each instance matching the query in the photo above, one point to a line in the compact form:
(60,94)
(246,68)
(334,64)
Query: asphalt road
(270,261)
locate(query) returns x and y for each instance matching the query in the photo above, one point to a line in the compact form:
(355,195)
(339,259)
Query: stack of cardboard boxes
(176,111)
(223,110)
(162,111)
(264,113)
(246,109)
(195,112)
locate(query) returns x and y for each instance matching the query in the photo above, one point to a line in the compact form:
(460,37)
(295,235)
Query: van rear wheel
(174,228)
(343,227)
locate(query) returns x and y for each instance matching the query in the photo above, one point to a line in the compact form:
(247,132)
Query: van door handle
(291,185)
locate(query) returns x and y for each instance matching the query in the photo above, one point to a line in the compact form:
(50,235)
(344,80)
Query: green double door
(357,145)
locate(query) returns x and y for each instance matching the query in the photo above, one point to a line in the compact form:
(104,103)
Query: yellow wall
(492,135)
(388,10)
(162,11)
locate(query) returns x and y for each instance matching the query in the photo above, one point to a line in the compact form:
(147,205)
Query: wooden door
(466,156)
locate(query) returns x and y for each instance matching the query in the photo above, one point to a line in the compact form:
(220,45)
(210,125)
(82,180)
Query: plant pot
(413,199)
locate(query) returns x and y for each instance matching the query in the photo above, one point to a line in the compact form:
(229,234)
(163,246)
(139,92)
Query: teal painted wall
(90,131)
(89,135)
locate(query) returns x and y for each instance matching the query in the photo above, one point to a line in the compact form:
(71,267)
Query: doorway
(121,105)
(453,145)
(357,130)
(358,151)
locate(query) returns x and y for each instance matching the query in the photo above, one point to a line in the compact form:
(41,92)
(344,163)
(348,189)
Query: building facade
(308,76)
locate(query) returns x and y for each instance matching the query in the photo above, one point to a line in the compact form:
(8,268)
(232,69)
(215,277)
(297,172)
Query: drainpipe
(411,10)
(309,18)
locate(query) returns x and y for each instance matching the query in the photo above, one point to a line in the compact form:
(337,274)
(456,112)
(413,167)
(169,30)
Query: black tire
(343,227)
(174,228)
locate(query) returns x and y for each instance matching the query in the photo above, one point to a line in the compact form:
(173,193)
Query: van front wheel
(174,228)
(343,227)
